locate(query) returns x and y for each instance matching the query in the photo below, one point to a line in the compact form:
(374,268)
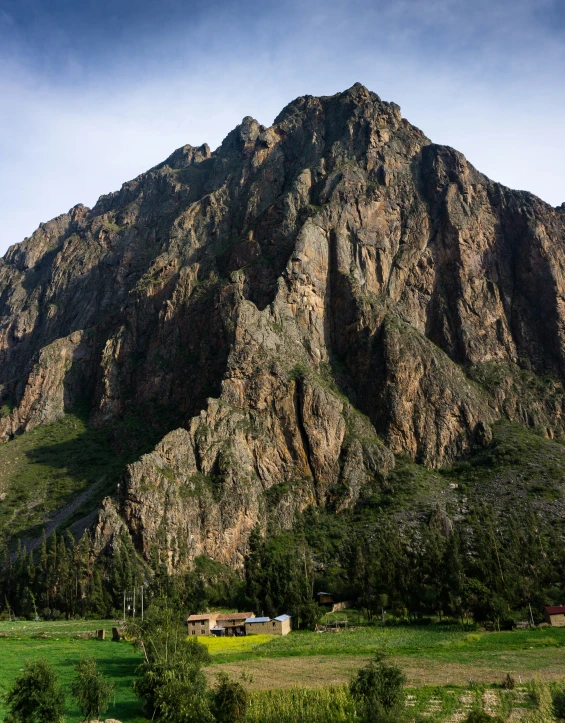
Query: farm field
(449,644)
(432,655)
(439,662)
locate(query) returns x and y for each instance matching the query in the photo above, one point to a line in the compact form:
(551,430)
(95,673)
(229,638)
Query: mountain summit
(289,313)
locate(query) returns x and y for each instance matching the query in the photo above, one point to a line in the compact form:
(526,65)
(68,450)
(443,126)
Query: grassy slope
(44,470)
(519,466)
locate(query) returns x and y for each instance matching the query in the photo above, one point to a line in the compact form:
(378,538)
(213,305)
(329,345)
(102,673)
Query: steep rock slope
(299,305)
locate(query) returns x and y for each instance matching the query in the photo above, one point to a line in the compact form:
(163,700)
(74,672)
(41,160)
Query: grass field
(118,661)
(445,643)
(439,662)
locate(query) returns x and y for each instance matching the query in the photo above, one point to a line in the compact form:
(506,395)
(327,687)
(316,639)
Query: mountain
(295,319)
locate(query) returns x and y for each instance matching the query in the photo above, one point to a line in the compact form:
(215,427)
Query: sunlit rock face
(304,303)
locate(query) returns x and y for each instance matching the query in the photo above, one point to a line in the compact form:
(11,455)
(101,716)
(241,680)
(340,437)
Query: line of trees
(64,578)
(483,566)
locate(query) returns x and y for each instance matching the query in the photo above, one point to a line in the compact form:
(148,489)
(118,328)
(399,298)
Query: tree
(378,691)
(229,701)
(171,681)
(36,696)
(178,691)
(90,690)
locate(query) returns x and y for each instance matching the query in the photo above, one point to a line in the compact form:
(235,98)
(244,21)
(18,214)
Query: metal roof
(282,618)
(555,609)
(323,593)
(257,620)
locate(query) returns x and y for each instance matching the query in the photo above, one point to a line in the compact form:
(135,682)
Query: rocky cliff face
(305,302)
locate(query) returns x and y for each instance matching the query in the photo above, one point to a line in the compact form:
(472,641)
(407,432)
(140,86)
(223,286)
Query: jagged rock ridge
(308,300)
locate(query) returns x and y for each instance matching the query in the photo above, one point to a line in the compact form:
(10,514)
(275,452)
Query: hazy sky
(93,92)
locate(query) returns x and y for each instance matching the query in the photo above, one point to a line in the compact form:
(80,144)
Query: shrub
(90,690)
(36,696)
(559,703)
(378,691)
(509,683)
(230,700)
(480,716)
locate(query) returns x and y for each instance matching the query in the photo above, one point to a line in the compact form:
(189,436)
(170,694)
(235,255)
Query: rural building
(218,623)
(325,598)
(555,616)
(232,623)
(269,626)
(201,624)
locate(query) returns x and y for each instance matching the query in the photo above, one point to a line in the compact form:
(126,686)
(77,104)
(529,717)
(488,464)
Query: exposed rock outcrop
(306,300)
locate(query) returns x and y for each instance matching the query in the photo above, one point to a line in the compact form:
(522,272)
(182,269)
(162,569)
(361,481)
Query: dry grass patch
(313,671)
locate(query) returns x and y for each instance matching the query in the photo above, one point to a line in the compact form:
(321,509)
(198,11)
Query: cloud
(482,77)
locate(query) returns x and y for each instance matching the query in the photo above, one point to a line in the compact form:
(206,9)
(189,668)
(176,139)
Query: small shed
(324,598)
(282,626)
(555,615)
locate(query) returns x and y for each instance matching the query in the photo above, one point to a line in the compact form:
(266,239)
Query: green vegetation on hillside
(480,541)
(57,473)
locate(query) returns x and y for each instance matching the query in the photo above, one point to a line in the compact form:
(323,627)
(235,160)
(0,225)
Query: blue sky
(92,93)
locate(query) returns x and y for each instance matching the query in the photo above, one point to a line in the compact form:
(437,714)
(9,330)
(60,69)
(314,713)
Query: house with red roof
(555,615)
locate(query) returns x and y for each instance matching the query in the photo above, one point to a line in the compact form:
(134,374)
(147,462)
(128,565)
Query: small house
(201,624)
(268,626)
(324,598)
(555,615)
(218,624)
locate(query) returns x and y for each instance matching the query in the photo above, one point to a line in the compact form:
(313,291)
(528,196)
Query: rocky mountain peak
(290,311)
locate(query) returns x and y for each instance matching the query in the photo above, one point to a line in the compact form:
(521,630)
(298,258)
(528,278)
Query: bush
(559,704)
(36,696)
(509,683)
(480,716)
(230,700)
(378,691)
(90,690)
(179,694)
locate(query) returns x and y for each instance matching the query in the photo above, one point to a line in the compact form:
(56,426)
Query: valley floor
(447,668)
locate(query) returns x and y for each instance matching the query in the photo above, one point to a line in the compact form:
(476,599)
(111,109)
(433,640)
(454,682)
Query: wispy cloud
(92,98)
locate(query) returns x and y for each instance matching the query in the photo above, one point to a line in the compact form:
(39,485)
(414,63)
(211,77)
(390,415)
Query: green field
(63,648)
(437,641)
(439,661)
